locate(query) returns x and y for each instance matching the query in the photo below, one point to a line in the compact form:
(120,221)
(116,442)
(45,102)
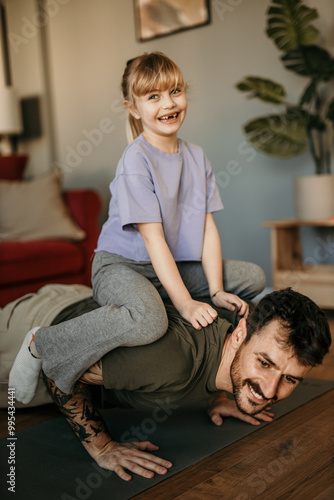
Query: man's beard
(238,384)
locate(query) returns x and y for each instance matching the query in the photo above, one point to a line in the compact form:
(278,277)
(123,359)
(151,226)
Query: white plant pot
(314,197)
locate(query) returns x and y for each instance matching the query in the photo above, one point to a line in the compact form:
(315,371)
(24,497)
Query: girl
(159,241)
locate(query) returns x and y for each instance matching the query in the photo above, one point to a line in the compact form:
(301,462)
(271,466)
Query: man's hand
(199,314)
(229,301)
(131,456)
(85,421)
(221,406)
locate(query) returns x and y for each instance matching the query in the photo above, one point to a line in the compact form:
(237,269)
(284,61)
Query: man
(260,361)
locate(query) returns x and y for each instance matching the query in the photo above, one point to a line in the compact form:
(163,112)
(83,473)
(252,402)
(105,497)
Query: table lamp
(10,118)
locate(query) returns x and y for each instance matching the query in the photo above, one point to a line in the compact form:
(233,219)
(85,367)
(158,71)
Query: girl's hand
(230,301)
(198,313)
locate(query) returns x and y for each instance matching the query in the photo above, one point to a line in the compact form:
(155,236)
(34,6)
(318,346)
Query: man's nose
(270,385)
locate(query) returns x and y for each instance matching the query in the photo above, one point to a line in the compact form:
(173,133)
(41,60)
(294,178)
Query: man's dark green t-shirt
(181,366)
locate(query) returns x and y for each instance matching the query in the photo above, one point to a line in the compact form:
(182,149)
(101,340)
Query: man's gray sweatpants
(132,312)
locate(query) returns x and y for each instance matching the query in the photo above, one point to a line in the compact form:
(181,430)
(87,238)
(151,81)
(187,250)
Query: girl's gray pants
(132,312)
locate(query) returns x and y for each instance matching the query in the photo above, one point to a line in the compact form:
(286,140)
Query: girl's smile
(169,118)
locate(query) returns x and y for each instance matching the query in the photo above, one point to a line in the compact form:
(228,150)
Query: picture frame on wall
(158,18)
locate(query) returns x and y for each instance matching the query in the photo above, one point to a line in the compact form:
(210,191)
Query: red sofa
(26,266)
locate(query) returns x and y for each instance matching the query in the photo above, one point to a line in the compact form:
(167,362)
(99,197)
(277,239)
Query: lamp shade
(10,115)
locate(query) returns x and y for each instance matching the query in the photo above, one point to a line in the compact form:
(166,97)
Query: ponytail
(134,128)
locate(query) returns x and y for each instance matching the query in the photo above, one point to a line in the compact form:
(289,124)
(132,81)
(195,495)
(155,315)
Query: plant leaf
(310,61)
(282,135)
(264,89)
(330,111)
(288,24)
(308,93)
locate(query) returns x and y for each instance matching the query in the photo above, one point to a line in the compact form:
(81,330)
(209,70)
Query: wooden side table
(312,278)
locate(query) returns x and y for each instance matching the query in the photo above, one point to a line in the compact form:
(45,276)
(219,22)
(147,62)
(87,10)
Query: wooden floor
(291,458)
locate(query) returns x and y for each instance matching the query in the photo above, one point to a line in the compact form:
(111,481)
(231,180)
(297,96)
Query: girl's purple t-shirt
(177,190)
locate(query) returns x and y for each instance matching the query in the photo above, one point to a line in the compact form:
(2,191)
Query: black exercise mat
(50,462)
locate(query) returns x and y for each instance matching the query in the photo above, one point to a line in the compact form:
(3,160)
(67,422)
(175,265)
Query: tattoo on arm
(93,375)
(78,409)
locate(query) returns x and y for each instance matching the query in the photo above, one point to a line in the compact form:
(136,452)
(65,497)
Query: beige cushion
(35,210)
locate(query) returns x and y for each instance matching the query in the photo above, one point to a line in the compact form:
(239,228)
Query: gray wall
(77,55)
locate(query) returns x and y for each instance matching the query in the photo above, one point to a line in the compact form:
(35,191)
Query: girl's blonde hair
(142,75)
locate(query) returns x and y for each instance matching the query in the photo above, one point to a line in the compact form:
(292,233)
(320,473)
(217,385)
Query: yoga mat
(50,462)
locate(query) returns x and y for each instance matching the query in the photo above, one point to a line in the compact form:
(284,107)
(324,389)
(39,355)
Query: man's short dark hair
(304,325)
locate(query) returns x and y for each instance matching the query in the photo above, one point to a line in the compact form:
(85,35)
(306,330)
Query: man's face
(264,371)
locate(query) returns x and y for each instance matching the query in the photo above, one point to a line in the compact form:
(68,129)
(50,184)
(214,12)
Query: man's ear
(132,109)
(239,334)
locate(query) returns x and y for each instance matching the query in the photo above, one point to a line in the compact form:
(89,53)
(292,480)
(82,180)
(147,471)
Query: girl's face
(161,112)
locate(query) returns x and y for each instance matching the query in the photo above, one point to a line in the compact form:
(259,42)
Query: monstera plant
(291,129)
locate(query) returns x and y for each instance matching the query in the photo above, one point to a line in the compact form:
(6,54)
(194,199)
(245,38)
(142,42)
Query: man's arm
(85,421)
